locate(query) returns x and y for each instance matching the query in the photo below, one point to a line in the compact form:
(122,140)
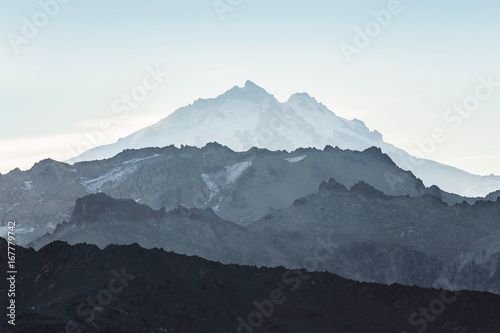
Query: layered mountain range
(265,208)
(249,116)
(361,234)
(124,289)
(260,198)
(240,187)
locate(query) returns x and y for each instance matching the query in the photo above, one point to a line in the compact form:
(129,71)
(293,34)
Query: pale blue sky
(65,79)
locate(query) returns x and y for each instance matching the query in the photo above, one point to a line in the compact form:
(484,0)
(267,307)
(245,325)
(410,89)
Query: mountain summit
(249,116)
(246,117)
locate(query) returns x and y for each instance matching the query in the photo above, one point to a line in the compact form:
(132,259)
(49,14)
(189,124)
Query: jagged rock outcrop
(366,235)
(100,220)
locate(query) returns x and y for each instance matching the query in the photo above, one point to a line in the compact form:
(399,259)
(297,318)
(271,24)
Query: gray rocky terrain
(361,234)
(240,187)
(100,220)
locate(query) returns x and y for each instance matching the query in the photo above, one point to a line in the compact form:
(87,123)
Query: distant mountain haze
(247,117)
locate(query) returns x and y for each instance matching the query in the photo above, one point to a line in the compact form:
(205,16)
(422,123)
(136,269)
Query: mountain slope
(100,220)
(130,289)
(249,117)
(369,236)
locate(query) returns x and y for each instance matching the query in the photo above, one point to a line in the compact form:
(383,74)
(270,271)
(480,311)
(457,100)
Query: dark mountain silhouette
(81,288)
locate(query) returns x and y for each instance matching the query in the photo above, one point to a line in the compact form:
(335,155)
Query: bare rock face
(90,209)
(100,220)
(364,234)
(477,268)
(39,199)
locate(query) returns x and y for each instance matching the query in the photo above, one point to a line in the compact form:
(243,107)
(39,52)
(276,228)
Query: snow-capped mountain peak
(250,92)
(249,116)
(305,101)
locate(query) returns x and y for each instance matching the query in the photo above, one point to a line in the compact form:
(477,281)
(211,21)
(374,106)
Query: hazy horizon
(62,75)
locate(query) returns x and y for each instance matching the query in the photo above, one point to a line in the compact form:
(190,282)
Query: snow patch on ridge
(11,208)
(27,185)
(114,176)
(212,186)
(235,171)
(295,159)
(222,179)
